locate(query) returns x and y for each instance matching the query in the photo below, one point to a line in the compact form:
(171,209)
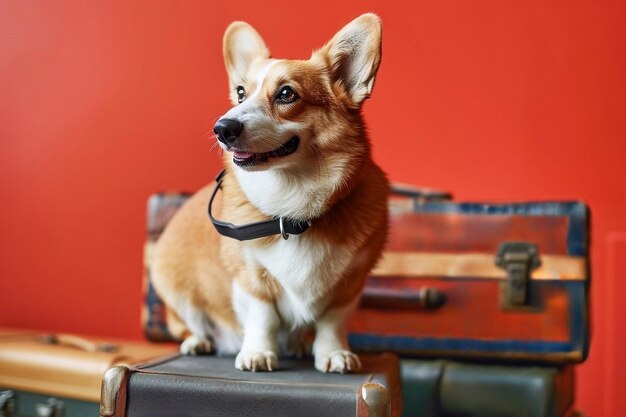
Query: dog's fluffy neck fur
(300,193)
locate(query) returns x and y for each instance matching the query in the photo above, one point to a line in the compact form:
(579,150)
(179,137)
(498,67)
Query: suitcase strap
(77,342)
(475,265)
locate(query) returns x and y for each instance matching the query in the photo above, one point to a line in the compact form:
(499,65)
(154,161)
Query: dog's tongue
(242,155)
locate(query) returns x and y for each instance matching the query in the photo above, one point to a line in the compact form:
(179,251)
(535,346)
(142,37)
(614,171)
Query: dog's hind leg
(196,345)
(201,330)
(175,326)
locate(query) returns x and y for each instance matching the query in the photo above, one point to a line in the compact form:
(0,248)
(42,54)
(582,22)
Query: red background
(103,103)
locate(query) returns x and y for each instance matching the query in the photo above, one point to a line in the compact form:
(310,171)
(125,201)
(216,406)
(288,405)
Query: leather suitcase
(157,324)
(36,366)
(441,388)
(480,280)
(477,280)
(180,386)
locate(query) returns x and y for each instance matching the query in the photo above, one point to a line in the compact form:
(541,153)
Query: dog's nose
(227,130)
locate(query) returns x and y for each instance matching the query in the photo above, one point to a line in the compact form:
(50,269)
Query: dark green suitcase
(28,404)
(439,388)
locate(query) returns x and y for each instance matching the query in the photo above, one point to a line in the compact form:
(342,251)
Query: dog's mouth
(244,158)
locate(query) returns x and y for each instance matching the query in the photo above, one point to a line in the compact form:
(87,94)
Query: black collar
(280,226)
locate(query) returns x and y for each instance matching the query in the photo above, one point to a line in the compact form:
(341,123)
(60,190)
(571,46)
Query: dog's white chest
(306,269)
(276,194)
(306,266)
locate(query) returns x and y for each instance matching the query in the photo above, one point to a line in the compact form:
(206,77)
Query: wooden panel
(615,360)
(599,388)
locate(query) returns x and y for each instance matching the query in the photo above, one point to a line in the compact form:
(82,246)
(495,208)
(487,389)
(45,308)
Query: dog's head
(292,113)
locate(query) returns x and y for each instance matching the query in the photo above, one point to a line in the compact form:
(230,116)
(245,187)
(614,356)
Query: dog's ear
(242,46)
(353,56)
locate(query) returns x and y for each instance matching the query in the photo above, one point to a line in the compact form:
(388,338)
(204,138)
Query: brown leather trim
(553,267)
(157,361)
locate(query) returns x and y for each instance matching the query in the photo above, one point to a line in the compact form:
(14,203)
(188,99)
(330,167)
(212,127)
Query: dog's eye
(286,95)
(241,94)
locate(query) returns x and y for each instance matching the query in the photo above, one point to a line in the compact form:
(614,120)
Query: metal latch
(7,404)
(518,259)
(51,408)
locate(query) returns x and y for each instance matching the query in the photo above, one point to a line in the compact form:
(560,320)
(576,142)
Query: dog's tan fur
(194,265)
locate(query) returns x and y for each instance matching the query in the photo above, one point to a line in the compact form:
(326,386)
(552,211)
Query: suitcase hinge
(51,408)
(518,259)
(7,404)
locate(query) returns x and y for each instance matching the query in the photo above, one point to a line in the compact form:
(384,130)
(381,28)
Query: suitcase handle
(77,342)
(420,195)
(426,298)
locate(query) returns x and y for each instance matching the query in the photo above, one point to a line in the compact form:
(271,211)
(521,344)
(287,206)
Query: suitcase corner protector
(113,392)
(373,401)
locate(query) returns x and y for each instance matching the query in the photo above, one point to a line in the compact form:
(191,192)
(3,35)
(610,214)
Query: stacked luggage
(486,304)
(475,310)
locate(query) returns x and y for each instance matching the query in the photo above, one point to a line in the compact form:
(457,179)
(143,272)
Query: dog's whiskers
(211,129)
(213,147)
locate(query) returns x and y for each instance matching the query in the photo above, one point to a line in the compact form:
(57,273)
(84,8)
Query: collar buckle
(283,233)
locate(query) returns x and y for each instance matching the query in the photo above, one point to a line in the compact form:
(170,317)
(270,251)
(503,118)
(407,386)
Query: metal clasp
(518,259)
(283,233)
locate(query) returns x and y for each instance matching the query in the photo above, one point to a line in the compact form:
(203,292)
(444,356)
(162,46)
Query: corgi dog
(295,147)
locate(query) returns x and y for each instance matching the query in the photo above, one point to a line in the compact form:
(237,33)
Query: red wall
(102,104)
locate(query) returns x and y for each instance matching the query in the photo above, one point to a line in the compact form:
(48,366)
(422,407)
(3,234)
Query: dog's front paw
(341,361)
(256,361)
(194,345)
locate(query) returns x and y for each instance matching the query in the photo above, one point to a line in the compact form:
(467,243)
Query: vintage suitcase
(156,322)
(181,386)
(441,388)
(479,280)
(42,374)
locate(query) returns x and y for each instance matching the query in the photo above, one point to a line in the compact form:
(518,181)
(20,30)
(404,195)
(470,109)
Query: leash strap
(280,226)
